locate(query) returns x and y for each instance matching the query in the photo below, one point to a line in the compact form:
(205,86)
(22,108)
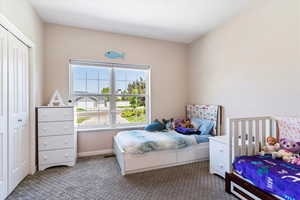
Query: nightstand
(219,155)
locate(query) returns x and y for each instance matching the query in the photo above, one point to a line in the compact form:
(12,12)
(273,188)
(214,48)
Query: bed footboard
(245,190)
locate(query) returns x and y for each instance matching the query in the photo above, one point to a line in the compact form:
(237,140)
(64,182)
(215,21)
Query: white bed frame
(257,128)
(240,130)
(133,163)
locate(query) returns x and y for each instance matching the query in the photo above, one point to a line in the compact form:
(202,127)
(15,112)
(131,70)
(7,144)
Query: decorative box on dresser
(219,155)
(56,137)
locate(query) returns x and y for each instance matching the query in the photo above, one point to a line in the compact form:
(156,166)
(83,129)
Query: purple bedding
(272,175)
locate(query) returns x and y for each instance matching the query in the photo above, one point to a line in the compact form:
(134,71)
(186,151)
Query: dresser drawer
(55,128)
(56,142)
(57,156)
(55,114)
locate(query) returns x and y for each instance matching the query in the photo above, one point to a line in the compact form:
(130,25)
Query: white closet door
(3,113)
(18,111)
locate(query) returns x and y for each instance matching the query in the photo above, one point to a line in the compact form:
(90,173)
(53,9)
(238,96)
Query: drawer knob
(45,157)
(221,166)
(66,142)
(221,150)
(67,155)
(45,144)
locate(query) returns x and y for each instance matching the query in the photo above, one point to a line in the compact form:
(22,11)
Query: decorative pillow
(155,126)
(196,122)
(203,125)
(187,131)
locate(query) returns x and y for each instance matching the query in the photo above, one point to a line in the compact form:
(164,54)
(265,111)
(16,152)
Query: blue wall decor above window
(114,55)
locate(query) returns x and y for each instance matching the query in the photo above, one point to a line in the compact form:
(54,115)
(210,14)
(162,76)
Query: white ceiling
(173,20)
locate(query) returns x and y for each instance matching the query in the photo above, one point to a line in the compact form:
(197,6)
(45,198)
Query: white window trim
(113,125)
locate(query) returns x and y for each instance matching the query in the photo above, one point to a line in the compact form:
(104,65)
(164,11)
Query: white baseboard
(95,153)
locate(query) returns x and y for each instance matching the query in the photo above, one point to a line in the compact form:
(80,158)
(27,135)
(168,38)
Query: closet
(14,112)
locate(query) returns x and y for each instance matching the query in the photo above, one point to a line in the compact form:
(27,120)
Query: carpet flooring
(98,178)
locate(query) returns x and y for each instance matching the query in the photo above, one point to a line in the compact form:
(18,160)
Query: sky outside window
(94,79)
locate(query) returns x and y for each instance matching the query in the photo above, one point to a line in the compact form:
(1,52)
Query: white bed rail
(248,135)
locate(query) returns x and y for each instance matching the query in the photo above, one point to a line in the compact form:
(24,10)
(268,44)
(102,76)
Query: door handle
(20,120)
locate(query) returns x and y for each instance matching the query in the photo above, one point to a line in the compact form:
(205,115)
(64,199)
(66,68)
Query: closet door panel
(18,111)
(3,113)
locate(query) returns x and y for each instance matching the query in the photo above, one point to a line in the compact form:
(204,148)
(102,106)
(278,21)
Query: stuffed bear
(290,145)
(271,147)
(285,155)
(188,124)
(184,123)
(288,148)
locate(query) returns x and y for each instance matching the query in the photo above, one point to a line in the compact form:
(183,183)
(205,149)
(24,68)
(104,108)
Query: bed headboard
(209,112)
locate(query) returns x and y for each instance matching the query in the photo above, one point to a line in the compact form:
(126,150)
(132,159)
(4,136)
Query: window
(109,95)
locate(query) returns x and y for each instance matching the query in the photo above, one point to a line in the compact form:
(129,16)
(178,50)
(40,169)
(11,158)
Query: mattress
(141,141)
(271,175)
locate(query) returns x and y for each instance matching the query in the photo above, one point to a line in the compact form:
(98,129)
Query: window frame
(112,108)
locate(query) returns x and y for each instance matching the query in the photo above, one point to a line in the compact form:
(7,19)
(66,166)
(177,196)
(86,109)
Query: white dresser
(56,137)
(219,155)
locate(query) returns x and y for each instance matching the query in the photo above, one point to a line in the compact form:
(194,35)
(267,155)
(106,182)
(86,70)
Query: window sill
(82,130)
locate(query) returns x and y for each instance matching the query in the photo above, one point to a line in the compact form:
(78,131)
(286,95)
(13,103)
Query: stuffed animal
(188,124)
(295,159)
(285,155)
(169,124)
(178,122)
(288,148)
(184,123)
(290,145)
(271,147)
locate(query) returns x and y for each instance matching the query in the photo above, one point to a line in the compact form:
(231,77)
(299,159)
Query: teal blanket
(141,141)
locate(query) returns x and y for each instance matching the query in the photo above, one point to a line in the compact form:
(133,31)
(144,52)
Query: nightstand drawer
(56,142)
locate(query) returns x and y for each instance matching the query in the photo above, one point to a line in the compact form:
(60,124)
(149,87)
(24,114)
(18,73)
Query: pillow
(203,125)
(187,131)
(155,126)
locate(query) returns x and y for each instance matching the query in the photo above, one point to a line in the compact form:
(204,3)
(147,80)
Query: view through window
(109,95)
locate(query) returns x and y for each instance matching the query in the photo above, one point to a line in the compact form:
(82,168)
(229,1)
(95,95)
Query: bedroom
(240,54)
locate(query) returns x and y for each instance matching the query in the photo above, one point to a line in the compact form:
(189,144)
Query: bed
(176,149)
(253,176)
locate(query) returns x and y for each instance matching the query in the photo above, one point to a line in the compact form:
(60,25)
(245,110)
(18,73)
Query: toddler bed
(258,177)
(140,150)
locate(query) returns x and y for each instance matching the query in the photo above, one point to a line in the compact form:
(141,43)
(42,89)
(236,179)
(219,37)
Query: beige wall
(168,63)
(250,65)
(22,15)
